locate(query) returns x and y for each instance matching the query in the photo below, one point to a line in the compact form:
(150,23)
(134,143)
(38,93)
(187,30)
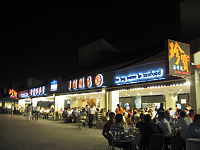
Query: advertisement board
(178,59)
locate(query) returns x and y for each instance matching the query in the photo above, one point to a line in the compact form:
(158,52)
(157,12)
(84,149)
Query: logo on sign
(98,80)
(13,93)
(179,58)
(23,94)
(54,85)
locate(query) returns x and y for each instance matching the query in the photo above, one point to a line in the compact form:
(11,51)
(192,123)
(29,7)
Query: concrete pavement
(18,133)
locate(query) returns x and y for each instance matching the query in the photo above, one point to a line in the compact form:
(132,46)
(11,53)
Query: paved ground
(18,133)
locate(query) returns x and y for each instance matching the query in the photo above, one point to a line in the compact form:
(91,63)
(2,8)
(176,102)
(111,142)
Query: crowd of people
(169,122)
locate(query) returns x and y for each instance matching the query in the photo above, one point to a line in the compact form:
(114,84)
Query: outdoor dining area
(131,140)
(181,132)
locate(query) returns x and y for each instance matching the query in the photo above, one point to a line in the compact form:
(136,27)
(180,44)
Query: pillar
(138,102)
(170,100)
(113,100)
(196,96)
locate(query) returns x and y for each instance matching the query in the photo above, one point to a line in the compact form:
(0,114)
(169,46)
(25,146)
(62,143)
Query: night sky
(44,42)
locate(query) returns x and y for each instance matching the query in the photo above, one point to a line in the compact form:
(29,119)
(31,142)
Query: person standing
(29,111)
(147,129)
(12,109)
(164,124)
(119,110)
(37,112)
(92,111)
(182,123)
(193,130)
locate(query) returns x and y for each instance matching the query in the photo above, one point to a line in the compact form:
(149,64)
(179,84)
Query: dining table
(193,144)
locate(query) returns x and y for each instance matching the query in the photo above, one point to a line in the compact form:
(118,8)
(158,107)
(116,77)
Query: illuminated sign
(13,93)
(179,58)
(74,84)
(54,85)
(86,82)
(69,85)
(139,76)
(89,81)
(81,83)
(23,94)
(37,91)
(98,80)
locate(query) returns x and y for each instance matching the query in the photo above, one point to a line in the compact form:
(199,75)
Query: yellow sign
(179,58)
(13,93)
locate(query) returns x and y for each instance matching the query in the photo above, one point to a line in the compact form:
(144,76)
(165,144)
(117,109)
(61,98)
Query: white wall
(113,100)
(59,102)
(170,99)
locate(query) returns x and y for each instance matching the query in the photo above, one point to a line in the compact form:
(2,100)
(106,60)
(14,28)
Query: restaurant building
(164,77)
(196,82)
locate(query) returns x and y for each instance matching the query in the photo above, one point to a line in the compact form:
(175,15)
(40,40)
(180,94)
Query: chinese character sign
(179,58)
(13,93)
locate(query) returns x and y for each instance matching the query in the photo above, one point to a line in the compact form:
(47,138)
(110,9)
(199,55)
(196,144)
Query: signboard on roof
(151,71)
(178,59)
(23,94)
(13,93)
(88,82)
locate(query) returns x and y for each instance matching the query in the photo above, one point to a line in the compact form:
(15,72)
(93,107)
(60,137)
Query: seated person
(108,125)
(193,130)
(141,121)
(182,123)
(117,127)
(164,124)
(147,129)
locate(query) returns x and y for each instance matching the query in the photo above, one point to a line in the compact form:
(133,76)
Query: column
(138,102)
(170,99)
(113,100)
(197,91)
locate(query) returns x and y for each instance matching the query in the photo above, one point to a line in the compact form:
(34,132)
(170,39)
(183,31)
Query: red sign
(81,83)
(98,80)
(74,84)
(87,82)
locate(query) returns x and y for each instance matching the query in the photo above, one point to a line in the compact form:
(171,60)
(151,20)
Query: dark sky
(43,42)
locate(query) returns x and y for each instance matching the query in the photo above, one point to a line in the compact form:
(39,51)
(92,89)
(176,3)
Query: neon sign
(89,81)
(74,84)
(23,94)
(86,82)
(139,77)
(179,58)
(54,85)
(81,83)
(13,93)
(98,80)
(37,91)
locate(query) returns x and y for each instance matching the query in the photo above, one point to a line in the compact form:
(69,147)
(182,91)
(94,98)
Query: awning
(45,104)
(9,99)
